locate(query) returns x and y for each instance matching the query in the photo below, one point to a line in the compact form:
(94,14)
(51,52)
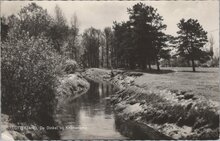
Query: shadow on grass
(166,71)
(154,71)
(162,71)
(197,71)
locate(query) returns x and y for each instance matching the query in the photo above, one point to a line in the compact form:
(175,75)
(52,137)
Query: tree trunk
(76,58)
(107,53)
(149,65)
(107,91)
(169,64)
(193,65)
(102,63)
(143,66)
(111,59)
(158,65)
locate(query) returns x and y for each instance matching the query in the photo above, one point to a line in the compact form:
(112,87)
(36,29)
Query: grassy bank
(71,86)
(179,104)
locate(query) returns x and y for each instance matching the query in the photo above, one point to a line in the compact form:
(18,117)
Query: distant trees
(108,34)
(192,38)
(211,42)
(91,41)
(214,62)
(58,30)
(123,49)
(73,47)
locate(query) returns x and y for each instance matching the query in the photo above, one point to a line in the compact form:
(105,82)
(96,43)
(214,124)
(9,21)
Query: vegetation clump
(70,66)
(28,77)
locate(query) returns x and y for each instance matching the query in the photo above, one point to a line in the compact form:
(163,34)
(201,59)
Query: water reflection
(89,116)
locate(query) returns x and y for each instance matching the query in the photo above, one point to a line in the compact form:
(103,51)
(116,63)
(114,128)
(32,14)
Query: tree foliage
(58,30)
(124,51)
(192,38)
(141,40)
(34,19)
(91,42)
(73,47)
(211,43)
(28,68)
(4,29)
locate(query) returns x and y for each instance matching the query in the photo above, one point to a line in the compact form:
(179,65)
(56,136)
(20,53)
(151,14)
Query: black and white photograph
(110,70)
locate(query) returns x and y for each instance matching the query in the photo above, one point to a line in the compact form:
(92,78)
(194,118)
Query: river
(90,116)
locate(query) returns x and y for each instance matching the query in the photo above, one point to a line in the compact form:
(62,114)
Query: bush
(29,73)
(70,66)
(214,62)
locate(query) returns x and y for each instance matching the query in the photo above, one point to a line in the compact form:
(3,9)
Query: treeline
(137,43)
(141,42)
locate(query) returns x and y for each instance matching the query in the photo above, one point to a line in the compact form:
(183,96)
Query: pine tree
(192,38)
(147,28)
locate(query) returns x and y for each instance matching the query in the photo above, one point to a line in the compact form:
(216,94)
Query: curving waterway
(90,116)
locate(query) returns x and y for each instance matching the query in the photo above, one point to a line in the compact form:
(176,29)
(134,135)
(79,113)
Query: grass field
(204,82)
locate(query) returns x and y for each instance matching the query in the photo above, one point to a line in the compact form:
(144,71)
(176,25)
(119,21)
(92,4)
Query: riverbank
(177,104)
(70,87)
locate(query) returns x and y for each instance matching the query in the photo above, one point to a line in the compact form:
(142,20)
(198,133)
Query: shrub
(70,66)
(29,72)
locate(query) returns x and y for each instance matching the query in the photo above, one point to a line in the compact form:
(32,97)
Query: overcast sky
(100,14)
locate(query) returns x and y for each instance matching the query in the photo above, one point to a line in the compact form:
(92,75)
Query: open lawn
(204,82)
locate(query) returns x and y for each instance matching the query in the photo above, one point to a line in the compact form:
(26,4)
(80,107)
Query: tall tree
(91,42)
(146,24)
(123,49)
(73,41)
(34,19)
(59,29)
(102,51)
(160,44)
(31,19)
(192,38)
(108,38)
(4,29)
(211,42)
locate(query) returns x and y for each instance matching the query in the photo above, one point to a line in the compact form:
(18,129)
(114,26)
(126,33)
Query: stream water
(89,116)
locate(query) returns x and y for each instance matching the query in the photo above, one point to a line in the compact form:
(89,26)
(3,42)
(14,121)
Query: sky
(100,14)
